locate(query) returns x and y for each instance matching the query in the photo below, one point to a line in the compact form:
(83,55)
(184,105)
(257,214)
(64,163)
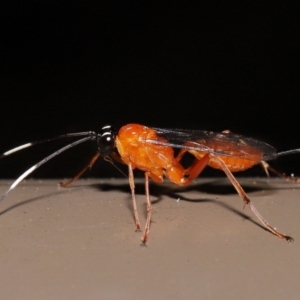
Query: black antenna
(288,152)
(27,145)
(43,161)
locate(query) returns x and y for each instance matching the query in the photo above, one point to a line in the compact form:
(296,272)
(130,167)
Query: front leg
(89,166)
(149,209)
(132,187)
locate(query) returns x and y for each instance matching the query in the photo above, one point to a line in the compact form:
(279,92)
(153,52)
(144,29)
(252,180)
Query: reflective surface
(79,242)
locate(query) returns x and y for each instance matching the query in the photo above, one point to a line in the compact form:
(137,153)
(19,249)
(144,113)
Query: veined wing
(224,144)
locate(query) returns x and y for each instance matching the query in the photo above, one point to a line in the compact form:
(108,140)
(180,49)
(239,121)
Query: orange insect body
(152,151)
(133,148)
(150,158)
(136,148)
(234,163)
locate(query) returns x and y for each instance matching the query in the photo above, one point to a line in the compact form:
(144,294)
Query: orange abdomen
(240,157)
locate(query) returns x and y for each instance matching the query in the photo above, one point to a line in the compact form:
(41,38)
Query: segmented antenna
(288,152)
(43,161)
(16,149)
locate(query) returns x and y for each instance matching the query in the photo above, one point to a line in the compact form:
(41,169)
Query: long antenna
(43,161)
(288,152)
(16,149)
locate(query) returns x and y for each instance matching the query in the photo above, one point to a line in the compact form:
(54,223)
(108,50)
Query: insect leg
(184,177)
(247,201)
(196,168)
(116,157)
(132,187)
(90,164)
(268,168)
(149,209)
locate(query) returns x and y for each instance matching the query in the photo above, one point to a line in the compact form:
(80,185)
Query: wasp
(152,150)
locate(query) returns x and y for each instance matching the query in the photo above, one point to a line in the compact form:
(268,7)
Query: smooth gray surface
(80,243)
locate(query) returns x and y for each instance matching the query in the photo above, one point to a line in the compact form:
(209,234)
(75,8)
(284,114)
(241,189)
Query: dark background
(76,66)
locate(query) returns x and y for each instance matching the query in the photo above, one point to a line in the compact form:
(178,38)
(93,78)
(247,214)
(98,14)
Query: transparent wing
(225,144)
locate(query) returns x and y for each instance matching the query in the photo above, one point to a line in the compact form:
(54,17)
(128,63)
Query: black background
(76,66)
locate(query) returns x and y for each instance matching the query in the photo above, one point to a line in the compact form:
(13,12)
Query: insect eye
(106,143)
